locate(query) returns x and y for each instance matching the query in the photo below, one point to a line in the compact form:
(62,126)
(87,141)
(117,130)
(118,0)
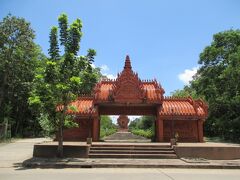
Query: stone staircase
(120,150)
(125,137)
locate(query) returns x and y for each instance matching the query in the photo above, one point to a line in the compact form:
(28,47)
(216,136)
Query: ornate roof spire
(127,63)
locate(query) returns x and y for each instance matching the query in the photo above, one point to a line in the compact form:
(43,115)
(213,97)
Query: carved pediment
(128,92)
(128,87)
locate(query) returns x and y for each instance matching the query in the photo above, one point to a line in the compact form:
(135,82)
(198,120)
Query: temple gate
(129,95)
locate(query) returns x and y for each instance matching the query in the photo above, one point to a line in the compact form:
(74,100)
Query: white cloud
(105,71)
(187,75)
(104,68)
(93,65)
(110,76)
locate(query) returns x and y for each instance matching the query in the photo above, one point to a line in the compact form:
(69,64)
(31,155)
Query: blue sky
(163,38)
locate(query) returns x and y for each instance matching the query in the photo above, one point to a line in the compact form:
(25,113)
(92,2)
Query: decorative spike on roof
(128,88)
(127,63)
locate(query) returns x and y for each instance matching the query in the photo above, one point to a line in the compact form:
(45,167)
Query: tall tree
(218,81)
(186,92)
(63,78)
(54,48)
(18,60)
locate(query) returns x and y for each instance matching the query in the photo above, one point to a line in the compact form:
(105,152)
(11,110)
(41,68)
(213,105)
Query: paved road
(118,174)
(12,154)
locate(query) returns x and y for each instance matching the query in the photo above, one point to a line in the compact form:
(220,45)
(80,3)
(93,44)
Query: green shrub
(149,133)
(46,125)
(107,127)
(107,132)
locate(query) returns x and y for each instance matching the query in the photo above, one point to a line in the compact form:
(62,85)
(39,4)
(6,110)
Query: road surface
(12,154)
(118,174)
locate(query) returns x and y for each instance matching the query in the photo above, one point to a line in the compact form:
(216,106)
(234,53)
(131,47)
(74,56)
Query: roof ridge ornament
(128,63)
(128,88)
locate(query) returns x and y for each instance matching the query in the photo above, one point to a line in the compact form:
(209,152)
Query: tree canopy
(19,58)
(33,85)
(217,81)
(62,78)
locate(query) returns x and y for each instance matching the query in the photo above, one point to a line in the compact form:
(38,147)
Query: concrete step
(130,152)
(147,151)
(132,148)
(142,156)
(124,136)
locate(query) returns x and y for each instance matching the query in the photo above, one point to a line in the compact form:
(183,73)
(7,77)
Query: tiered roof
(150,89)
(128,88)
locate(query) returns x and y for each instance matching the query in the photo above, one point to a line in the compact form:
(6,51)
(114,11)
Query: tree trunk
(3,90)
(6,128)
(60,133)
(1,96)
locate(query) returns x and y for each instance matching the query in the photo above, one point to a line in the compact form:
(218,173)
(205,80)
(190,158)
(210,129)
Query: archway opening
(124,128)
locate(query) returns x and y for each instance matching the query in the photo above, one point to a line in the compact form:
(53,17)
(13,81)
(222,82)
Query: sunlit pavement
(118,174)
(12,155)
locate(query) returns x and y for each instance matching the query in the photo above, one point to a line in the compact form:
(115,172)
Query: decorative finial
(127,63)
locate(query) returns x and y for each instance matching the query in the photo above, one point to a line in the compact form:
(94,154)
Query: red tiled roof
(183,107)
(104,90)
(107,86)
(177,107)
(170,107)
(150,91)
(83,105)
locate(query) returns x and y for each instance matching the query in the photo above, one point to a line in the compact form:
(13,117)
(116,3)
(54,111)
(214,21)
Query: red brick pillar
(159,126)
(156,130)
(200,130)
(95,129)
(159,129)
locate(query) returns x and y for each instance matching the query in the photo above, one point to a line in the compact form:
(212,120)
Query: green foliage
(69,123)
(72,108)
(148,133)
(47,125)
(144,122)
(34,100)
(90,55)
(19,59)
(62,79)
(187,91)
(217,81)
(74,37)
(144,126)
(75,80)
(54,49)
(63,24)
(107,127)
